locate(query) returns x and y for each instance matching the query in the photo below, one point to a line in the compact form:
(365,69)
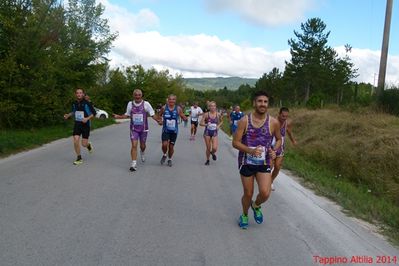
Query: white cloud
(204,55)
(368,63)
(264,12)
(121,20)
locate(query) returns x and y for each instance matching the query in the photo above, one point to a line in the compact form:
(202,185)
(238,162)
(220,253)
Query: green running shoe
(243,221)
(258,215)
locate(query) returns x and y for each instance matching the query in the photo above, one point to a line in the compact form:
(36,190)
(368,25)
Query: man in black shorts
(170,114)
(82,113)
(195,112)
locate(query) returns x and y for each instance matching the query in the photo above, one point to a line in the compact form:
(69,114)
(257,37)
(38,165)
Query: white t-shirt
(147,108)
(195,112)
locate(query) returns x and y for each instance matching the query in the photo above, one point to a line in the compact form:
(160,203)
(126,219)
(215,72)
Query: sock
(254,205)
(134,162)
(79,157)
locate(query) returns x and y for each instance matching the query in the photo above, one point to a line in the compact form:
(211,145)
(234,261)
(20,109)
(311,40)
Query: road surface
(99,213)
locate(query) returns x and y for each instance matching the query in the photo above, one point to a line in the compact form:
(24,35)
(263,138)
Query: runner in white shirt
(195,113)
(138,110)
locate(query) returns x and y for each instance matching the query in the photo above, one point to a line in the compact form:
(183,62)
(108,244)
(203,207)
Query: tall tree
(307,52)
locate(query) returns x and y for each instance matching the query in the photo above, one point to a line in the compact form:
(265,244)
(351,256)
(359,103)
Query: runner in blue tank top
(234,117)
(170,114)
(285,129)
(212,121)
(253,139)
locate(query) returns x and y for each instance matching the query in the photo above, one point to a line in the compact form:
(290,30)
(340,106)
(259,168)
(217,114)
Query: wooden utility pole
(384,49)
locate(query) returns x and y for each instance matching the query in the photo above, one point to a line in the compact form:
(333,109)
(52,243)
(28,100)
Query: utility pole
(384,49)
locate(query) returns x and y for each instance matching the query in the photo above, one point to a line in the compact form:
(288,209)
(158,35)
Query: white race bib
(212,126)
(138,119)
(171,124)
(194,119)
(79,115)
(257,160)
(235,122)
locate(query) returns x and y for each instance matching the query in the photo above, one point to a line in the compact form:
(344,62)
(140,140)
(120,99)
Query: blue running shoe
(243,221)
(258,215)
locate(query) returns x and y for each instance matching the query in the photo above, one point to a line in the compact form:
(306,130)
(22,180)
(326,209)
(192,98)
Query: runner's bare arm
(202,123)
(237,138)
(160,114)
(85,119)
(276,132)
(289,132)
(66,116)
(124,116)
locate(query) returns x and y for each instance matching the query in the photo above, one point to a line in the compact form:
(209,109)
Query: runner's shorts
(81,129)
(171,137)
(251,170)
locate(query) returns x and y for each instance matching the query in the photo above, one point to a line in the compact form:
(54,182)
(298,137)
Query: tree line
(48,48)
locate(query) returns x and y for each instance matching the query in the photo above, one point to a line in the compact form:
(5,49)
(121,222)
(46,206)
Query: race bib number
(194,119)
(235,122)
(79,115)
(171,124)
(212,126)
(138,119)
(257,160)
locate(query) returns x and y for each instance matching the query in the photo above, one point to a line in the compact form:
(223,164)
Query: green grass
(13,141)
(226,125)
(355,199)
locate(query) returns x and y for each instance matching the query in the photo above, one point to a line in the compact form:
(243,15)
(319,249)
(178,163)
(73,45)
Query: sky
(245,38)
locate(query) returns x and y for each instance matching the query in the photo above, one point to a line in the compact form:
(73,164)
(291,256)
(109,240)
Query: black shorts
(195,123)
(251,170)
(81,129)
(171,137)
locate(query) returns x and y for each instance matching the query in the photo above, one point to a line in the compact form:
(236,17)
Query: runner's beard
(261,110)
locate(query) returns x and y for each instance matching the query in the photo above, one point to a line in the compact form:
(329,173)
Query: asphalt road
(99,213)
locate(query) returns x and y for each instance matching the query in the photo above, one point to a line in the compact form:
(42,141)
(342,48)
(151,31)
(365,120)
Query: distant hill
(232,83)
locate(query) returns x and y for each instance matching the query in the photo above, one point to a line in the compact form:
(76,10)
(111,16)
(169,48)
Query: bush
(389,101)
(314,102)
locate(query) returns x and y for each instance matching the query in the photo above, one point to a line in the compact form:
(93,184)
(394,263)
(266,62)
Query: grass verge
(13,141)
(356,200)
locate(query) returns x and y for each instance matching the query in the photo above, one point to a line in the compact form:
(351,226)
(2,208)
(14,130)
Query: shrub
(389,101)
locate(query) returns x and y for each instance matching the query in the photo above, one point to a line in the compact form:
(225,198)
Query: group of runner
(259,138)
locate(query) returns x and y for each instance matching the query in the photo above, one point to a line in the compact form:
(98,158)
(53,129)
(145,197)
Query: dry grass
(360,147)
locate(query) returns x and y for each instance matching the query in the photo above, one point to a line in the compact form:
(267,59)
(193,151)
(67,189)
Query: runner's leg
(264,182)
(76,144)
(207,140)
(248,189)
(277,166)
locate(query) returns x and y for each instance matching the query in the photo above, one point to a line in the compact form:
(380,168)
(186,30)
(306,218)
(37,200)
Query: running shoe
(142,157)
(207,162)
(170,163)
(273,187)
(90,147)
(133,167)
(243,221)
(163,160)
(213,156)
(78,162)
(258,216)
